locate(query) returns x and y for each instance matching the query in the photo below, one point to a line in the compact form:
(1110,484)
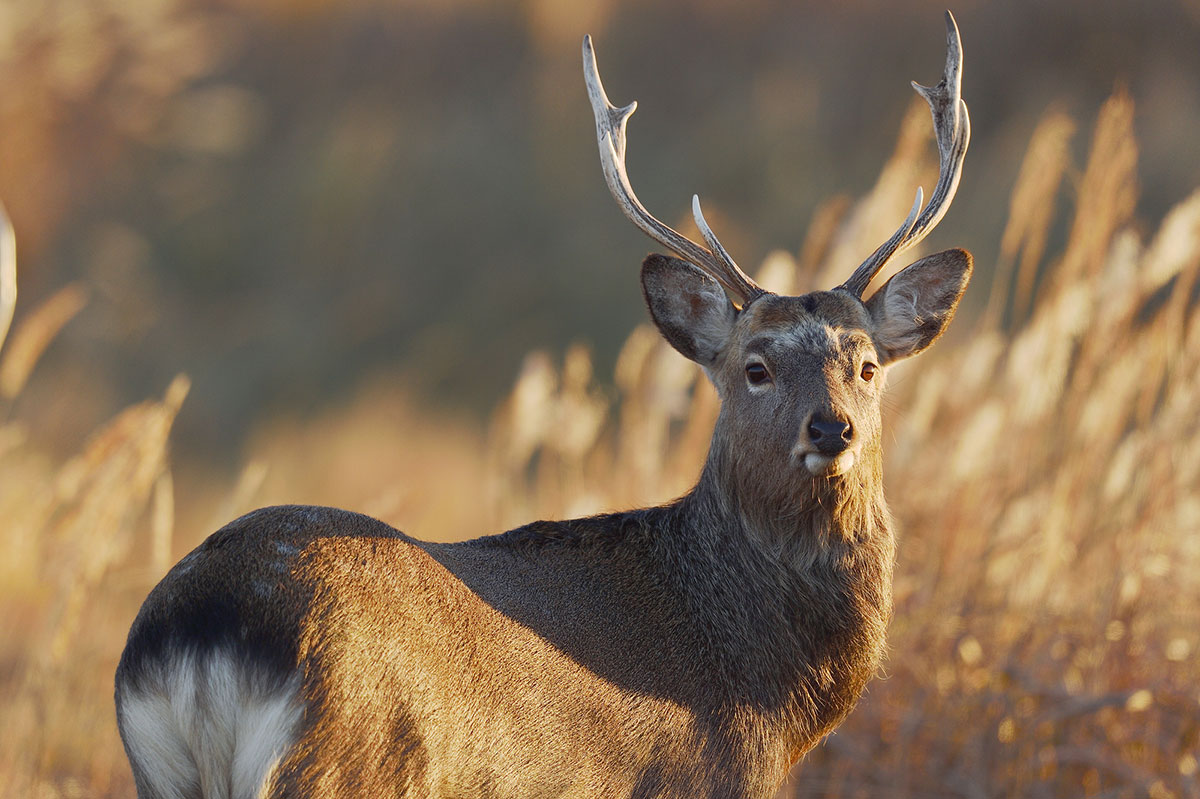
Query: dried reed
(1044,475)
(67,529)
(1043,471)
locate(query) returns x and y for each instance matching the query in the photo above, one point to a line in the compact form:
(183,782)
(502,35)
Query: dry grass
(1042,466)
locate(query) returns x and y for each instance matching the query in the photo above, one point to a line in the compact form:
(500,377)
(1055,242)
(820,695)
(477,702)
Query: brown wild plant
(1047,588)
(68,528)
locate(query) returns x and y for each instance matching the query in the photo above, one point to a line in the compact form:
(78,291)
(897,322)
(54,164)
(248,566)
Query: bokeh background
(361,253)
(280,198)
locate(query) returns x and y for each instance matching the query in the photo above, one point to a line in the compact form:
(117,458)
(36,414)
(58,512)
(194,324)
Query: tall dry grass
(1045,476)
(67,535)
(1042,465)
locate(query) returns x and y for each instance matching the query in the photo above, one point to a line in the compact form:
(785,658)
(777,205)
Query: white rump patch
(208,722)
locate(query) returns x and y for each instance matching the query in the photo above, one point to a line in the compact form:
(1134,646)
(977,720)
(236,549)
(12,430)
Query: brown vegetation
(1042,464)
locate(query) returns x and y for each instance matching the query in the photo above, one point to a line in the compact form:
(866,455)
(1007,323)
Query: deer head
(800,378)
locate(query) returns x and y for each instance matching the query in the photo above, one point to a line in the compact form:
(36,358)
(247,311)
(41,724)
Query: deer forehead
(827,322)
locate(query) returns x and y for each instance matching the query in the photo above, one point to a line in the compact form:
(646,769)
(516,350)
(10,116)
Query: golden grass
(1042,465)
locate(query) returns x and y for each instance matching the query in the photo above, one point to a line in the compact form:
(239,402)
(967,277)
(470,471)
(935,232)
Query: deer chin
(819,465)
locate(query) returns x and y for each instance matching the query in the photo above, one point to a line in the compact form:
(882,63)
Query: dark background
(283,198)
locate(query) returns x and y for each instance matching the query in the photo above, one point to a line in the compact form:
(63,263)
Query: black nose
(829,437)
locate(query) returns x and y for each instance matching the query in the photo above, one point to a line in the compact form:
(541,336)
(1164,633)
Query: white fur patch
(901,317)
(820,465)
(155,745)
(811,337)
(207,722)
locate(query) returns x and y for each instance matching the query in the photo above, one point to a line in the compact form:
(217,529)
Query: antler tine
(952,128)
(862,276)
(8,273)
(610,134)
(719,251)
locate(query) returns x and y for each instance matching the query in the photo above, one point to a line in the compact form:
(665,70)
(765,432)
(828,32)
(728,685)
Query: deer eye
(757,374)
(868,371)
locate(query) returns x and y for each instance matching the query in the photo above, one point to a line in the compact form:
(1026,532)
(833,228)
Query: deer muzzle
(826,447)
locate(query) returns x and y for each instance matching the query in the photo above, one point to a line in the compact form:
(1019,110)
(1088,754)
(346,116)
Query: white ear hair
(912,309)
(901,319)
(690,308)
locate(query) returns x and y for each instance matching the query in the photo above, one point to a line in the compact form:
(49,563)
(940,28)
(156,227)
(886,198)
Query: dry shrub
(415,468)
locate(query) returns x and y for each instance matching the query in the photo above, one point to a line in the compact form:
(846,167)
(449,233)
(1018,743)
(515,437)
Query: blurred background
(361,253)
(284,198)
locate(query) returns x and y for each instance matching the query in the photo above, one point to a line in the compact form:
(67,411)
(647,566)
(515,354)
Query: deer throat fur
(809,582)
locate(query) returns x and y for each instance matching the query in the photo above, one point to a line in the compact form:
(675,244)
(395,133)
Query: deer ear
(689,307)
(916,305)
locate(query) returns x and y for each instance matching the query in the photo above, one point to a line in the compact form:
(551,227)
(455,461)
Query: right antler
(953,129)
(610,131)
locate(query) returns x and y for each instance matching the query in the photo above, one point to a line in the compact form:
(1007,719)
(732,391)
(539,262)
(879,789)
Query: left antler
(610,131)
(953,129)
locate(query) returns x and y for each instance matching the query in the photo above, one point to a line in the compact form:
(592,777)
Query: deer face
(801,378)
(808,367)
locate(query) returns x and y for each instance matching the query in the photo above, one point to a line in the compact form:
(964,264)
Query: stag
(698,648)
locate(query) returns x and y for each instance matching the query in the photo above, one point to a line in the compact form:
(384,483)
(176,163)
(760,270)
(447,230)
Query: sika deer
(693,649)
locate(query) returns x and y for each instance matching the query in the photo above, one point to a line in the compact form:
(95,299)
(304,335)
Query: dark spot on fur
(781,312)
(650,783)
(407,760)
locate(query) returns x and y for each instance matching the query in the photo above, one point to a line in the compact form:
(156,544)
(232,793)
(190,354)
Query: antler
(953,129)
(8,274)
(610,132)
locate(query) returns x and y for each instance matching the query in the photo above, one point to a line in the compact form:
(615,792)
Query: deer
(698,648)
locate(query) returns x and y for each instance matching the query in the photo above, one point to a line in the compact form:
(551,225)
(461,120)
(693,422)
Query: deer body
(696,649)
(594,657)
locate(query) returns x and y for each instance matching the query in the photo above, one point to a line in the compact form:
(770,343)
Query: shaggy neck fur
(796,597)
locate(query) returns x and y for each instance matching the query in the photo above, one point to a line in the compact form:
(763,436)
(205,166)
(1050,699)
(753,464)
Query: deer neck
(799,592)
(782,510)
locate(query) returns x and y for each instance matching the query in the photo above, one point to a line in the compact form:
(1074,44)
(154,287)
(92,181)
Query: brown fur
(694,649)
